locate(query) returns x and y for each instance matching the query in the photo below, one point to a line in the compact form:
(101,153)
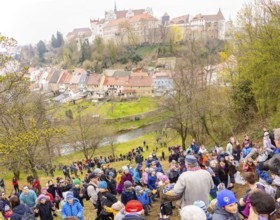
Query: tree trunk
(35,174)
(16,173)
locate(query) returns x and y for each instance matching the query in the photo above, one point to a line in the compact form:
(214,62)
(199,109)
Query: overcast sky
(29,21)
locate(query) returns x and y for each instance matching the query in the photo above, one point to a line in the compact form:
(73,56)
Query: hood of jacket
(20,209)
(223,213)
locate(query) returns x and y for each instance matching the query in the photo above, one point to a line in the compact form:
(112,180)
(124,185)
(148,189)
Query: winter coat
(76,194)
(152,182)
(148,162)
(19,211)
(127,196)
(236,154)
(112,185)
(105,199)
(136,176)
(222,175)
(246,151)
(173,175)
(92,191)
(74,209)
(3,203)
(45,211)
(143,198)
(133,217)
(62,189)
(192,186)
(229,148)
(221,214)
(124,178)
(52,190)
(29,199)
(263,175)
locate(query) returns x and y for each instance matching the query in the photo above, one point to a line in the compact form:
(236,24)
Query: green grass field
(108,109)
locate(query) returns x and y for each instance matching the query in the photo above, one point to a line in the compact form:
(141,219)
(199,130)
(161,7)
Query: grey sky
(29,21)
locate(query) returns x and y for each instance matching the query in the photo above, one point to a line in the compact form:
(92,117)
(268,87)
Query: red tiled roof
(116,81)
(143,81)
(75,78)
(94,79)
(180,19)
(132,19)
(140,73)
(50,71)
(63,77)
(219,16)
(68,78)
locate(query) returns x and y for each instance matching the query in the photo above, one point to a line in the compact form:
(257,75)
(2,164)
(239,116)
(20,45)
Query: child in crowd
(78,191)
(128,193)
(112,183)
(145,176)
(105,199)
(44,207)
(226,206)
(202,205)
(152,184)
(119,176)
(249,165)
(143,197)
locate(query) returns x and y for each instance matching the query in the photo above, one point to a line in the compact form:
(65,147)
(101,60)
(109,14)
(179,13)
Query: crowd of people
(199,182)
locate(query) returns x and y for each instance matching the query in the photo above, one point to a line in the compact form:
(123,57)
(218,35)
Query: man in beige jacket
(194,184)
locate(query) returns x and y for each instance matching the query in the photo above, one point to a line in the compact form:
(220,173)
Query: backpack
(85,192)
(28,216)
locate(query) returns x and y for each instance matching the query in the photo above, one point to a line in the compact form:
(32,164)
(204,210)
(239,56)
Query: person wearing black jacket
(44,208)
(105,199)
(4,202)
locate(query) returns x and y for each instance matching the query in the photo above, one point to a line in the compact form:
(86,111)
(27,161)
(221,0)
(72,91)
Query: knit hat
(191,212)
(202,205)
(226,197)
(111,174)
(164,178)
(124,168)
(117,206)
(43,189)
(92,176)
(76,182)
(138,189)
(102,185)
(127,184)
(42,196)
(69,195)
(133,206)
(191,159)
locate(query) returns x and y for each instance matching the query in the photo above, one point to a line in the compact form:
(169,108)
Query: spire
(115,7)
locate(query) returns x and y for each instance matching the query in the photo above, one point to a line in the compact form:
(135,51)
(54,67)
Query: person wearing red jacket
(15,184)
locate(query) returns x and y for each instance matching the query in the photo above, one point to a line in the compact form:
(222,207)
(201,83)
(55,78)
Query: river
(119,138)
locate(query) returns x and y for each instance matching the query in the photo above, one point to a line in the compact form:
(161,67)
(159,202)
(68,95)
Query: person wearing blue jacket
(246,150)
(263,175)
(143,197)
(137,174)
(72,207)
(128,193)
(152,181)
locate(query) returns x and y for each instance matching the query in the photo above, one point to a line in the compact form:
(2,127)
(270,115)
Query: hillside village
(142,27)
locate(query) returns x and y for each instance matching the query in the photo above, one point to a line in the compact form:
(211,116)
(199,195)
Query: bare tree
(85,133)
